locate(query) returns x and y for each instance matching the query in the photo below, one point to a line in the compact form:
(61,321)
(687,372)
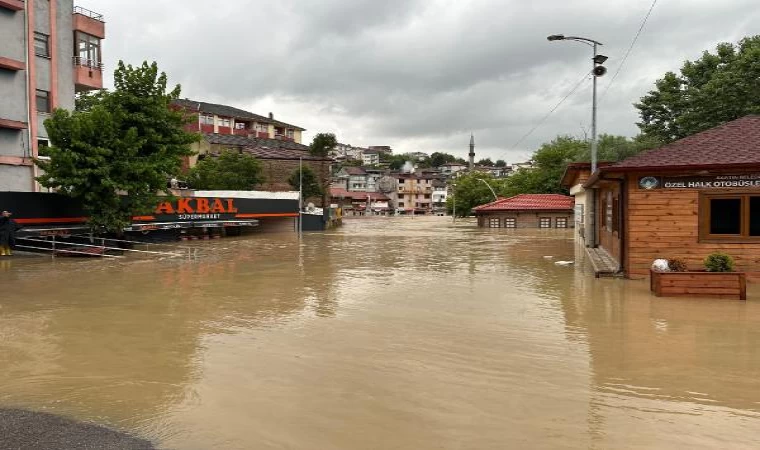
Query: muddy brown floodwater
(385,334)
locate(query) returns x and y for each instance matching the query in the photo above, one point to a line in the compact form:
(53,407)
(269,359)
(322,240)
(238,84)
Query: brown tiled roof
(535,202)
(264,148)
(355,170)
(735,143)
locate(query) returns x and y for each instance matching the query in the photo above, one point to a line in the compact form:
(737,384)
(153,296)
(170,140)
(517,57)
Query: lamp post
(454,202)
(597,71)
(495,197)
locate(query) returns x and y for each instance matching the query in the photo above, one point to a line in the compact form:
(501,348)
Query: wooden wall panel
(664,223)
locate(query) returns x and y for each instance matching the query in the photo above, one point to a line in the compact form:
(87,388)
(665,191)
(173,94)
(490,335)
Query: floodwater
(386,334)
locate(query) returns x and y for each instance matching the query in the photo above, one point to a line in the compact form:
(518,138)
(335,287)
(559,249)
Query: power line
(633,43)
(541,122)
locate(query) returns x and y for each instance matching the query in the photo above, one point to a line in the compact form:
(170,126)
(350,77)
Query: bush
(719,262)
(677,265)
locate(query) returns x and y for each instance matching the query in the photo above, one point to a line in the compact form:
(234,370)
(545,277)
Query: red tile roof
(535,202)
(732,144)
(357,195)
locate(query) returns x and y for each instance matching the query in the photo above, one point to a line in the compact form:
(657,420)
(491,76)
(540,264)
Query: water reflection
(388,333)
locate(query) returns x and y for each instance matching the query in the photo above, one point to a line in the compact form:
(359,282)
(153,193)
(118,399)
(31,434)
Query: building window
(262,128)
(400,204)
(560,222)
(43,101)
(545,222)
(224,122)
(41,44)
(207,119)
(494,222)
(239,126)
(88,49)
(510,222)
(290,133)
(730,216)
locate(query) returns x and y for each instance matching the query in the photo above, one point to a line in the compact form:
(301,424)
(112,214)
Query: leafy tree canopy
(437,159)
(323,144)
(485,162)
(717,88)
(231,170)
(470,190)
(500,163)
(126,141)
(311,186)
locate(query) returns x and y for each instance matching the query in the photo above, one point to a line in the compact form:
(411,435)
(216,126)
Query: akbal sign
(197,208)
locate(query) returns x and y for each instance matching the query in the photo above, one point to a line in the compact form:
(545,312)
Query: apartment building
(370,157)
(49,50)
(414,193)
(222,119)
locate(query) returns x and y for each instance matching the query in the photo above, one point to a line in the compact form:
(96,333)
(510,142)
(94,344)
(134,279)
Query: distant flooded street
(393,333)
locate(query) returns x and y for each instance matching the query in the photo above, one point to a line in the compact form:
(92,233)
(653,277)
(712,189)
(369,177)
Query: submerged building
(49,50)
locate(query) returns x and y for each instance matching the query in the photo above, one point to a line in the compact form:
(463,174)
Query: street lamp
(454,202)
(597,71)
(495,197)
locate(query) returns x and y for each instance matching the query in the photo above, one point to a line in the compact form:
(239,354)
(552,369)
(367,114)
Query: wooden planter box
(699,284)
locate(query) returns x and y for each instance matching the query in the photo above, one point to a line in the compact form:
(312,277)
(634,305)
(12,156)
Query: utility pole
(300,197)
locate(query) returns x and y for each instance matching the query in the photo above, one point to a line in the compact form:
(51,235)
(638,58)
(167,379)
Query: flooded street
(386,334)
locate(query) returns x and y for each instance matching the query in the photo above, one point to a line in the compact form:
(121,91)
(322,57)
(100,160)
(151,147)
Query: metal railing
(88,13)
(84,62)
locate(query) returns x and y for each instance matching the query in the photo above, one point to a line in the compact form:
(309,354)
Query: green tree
(485,162)
(396,162)
(469,191)
(230,170)
(550,162)
(311,185)
(717,88)
(437,159)
(323,144)
(126,141)
(500,163)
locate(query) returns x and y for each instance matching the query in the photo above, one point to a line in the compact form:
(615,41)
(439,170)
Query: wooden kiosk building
(687,199)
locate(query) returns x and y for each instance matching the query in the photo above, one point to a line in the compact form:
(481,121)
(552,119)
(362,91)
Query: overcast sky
(420,75)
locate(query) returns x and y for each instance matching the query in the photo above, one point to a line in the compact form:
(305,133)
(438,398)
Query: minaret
(472,151)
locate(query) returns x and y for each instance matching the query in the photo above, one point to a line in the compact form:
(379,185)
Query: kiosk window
(734,216)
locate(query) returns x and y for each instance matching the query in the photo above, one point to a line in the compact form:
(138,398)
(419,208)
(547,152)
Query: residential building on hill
(449,169)
(347,152)
(370,157)
(222,119)
(382,149)
(49,50)
(415,193)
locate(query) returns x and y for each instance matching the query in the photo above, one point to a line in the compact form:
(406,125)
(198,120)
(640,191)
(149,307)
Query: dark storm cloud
(420,75)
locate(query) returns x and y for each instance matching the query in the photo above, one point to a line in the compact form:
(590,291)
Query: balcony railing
(91,14)
(84,62)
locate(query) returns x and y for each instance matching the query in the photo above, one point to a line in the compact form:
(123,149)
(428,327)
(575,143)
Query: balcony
(88,22)
(11,64)
(12,124)
(88,74)
(13,5)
